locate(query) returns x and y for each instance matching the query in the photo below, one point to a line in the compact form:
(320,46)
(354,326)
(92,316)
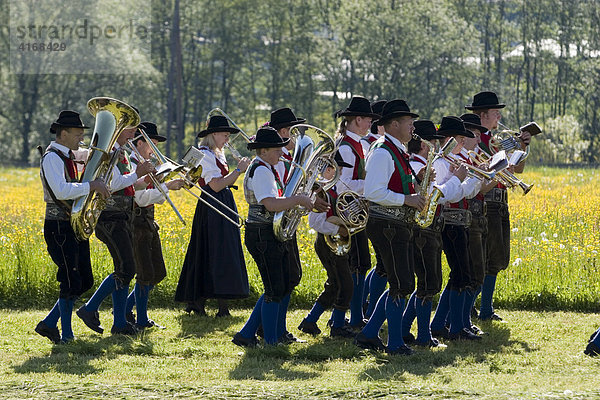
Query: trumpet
(504,176)
(472,170)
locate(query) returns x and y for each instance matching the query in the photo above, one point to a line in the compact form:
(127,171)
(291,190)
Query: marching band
(411,189)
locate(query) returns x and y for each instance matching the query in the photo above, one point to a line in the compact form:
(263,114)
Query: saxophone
(424,218)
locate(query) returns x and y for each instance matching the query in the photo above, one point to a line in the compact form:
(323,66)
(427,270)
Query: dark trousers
(114,229)
(272,259)
(359,255)
(294,262)
(379,269)
(428,260)
(477,249)
(498,239)
(71,257)
(455,239)
(339,286)
(149,263)
(394,240)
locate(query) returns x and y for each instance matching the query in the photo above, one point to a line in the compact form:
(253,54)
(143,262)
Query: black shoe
(492,317)
(463,334)
(241,341)
(222,314)
(149,324)
(592,350)
(309,327)
(91,319)
(67,340)
(51,333)
(431,343)
(358,327)
(369,343)
(402,351)
(343,332)
(130,317)
(440,333)
(477,331)
(128,329)
(346,322)
(193,309)
(409,339)
(293,339)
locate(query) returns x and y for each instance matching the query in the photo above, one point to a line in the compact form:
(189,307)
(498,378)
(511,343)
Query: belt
(498,195)
(144,212)
(456,216)
(399,214)
(119,203)
(258,214)
(477,207)
(56,213)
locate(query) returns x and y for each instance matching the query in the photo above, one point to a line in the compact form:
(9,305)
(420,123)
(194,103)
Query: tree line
(249,57)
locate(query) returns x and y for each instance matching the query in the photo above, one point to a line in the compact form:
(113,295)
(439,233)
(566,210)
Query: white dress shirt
(365,143)
(318,221)
(346,182)
(263,182)
(54,171)
(210,169)
(120,181)
(145,197)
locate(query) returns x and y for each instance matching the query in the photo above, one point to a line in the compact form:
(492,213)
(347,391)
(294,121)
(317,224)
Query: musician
(389,186)
(376,280)
(115,229)
(61,186)
(486,105)
(356,122)
(337,291)
(282,120)
(214,265)
(427,246)
(263,190)
(149,266)
(457,218)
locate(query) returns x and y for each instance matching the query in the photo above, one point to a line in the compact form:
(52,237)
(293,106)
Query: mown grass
(554,264)
(536,355)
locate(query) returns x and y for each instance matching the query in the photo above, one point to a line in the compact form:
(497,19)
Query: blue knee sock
(119,298)
(338,317)
(130,300)
(250,327)
(409,315)
(270,312)
(356,310)
(596,339)
(66,310)
(487,296)
(315,313)
(467,306)
(457,301)
(376,287)
(52,318)
(141,303)
(372,328)
(366,287)
(107,286)
(281,323)
(441,312)
(423,308)
(393,314)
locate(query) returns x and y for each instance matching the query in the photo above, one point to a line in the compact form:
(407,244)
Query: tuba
(352,212)
(112,116)
(314,151)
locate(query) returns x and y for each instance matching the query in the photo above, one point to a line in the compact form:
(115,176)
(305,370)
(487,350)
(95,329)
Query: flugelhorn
(504,176)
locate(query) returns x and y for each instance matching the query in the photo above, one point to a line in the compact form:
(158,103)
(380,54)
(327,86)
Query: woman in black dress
(214,264)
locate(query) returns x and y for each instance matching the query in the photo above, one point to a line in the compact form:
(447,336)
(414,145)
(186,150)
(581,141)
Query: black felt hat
(217,123)
(484,101)
(67,119)
(425,129)
(151,130)
(358,107)
(377,107)
(473,121)
(340,161)
(284,117)
(267,137)
(394,109)
(453,126)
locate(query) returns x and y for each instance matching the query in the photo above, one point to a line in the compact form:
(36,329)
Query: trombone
(217,111)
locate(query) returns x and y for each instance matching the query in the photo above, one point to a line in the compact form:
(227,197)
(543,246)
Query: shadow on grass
(76,357)
(194,325)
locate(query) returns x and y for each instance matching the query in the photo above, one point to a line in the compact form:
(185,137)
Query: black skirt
(214,265)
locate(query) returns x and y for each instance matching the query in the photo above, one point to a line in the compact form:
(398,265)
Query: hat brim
(480,128)
(267,145)
(396,114)
(57,125)
(229,129)
(158,138)
(431,137)
(456,132)
(484,107)
(287,124)
(348,113)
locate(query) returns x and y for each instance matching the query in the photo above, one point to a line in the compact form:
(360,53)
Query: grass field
(536,355)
